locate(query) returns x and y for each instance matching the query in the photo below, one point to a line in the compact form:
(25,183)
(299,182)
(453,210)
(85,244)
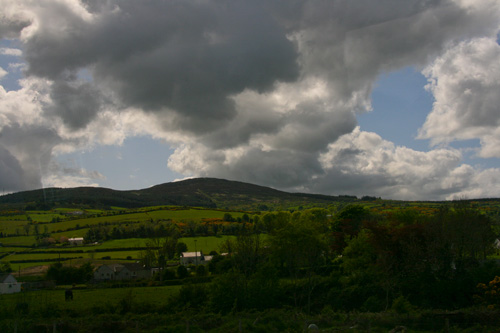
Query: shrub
(182,272)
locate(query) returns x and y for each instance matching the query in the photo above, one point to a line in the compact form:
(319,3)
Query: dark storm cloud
(27,152)
(12,176)
(255,90)
(308,130)
(12,25)
(278,169)
(187,56)
(75,104)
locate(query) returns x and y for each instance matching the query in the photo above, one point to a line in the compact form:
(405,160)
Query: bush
(182,272)
(201,270)
(401,305)
(168,274)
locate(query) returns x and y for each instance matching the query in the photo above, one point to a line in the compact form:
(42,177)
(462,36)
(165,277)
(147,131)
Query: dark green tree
(182,272)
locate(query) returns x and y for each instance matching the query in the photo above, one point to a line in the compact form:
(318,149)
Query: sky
(388,98)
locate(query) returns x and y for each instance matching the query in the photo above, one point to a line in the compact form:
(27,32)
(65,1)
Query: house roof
(134,267)
(4,277)
(192,254)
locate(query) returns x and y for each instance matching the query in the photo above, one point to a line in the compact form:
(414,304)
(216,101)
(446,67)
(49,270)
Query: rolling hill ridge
(196,192)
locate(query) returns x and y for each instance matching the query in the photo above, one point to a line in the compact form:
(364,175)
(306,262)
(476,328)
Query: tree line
(355,260)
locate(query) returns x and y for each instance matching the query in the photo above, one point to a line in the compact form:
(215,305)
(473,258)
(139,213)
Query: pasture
(113,250)
(55,222)
(23,250)
(87,299)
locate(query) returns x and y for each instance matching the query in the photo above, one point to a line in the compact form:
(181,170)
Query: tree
(299,248)
(27,228)
(182,272)
(5,267)
(346,225)
(158,250)
(228,292)
(363,278)
(245,218)
(469,232)
(274,221)
(181,247)
(68,275)
(201,270)
(247,252)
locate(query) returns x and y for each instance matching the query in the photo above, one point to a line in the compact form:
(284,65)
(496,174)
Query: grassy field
(112,250)
(190,214)
(84,299)
(20,241)
(8,226)
(15,224)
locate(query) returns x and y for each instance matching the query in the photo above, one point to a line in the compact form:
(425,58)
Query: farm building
(9,284)
(76,241)
(125,271)
(194,258)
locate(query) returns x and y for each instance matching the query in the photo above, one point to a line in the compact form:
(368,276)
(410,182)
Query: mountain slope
(197,192)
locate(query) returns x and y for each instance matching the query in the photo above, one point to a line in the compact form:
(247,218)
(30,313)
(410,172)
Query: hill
(197,192)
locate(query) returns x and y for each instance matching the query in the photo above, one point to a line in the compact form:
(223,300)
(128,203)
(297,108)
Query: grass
(190,214)
(19,240)
(41,256)
(11,227)
(121,243)
(45,217)
(11,249)
(205,244)
(85,299)
(114,255)
(79,225)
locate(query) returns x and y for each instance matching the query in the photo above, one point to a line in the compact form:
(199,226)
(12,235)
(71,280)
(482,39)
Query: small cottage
(192,258)
(76,241)
(104,272)
(9,284)
(125,271)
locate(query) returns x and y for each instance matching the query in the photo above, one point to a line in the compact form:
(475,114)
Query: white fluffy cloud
(3,73)
(251,90)
(11,52)
(465,82)
(363,163)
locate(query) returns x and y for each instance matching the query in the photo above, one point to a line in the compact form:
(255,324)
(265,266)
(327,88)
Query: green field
(8,226)
(112,249)
(85,299)
(15,224)
(20,240)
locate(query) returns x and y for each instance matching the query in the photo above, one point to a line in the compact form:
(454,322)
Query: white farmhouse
(123,271)
(76,241)
(9,284)
(193,258)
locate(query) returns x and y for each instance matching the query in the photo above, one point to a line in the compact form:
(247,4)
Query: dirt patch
(35,270)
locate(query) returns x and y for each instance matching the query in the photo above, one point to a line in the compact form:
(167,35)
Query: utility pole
(195,254)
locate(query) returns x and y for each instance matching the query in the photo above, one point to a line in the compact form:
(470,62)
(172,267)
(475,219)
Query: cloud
(363,163)
(11,173)
(3,73)
(70,176)
(11,52)
(465,82)
(359,163)
(182,57)
(74,102)
(13,19)
(259,91)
